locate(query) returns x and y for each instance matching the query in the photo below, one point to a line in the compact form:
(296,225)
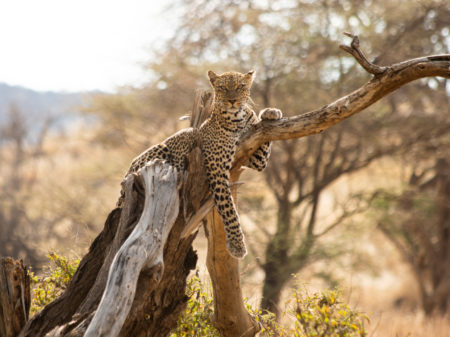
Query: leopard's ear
(250,75)
(212,76)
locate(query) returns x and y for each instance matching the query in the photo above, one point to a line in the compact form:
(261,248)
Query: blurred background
(365,206)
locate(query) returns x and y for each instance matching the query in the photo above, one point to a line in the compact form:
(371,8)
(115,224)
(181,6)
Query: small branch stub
(357,53)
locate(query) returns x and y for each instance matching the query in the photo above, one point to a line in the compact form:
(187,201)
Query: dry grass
(409,324)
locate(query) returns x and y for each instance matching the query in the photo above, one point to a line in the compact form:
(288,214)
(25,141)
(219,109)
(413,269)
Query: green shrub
(48,287)
(195,320)
(321,314)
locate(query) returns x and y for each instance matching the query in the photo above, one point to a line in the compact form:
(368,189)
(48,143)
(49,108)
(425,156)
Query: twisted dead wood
(142,249)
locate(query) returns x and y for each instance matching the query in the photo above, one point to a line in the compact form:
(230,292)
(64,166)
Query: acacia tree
(292,46)
(298,175)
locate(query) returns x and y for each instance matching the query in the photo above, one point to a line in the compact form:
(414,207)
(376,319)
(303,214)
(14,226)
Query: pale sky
(77,45)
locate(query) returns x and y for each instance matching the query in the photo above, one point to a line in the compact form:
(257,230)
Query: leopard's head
(231,89)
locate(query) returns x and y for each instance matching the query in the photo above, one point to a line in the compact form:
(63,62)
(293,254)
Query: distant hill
(37,107)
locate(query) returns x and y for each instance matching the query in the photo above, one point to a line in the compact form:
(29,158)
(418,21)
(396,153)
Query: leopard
(218,138)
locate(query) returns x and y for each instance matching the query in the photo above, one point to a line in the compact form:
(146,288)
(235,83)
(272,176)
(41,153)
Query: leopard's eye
(221,87)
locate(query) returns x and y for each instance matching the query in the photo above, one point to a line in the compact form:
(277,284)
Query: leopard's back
(174,149)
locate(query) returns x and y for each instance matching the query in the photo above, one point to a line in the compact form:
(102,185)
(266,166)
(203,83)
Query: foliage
(48,287)
(195,320)
(320,314)
(323,314)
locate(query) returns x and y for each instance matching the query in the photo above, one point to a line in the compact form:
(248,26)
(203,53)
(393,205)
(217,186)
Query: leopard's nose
(232,101)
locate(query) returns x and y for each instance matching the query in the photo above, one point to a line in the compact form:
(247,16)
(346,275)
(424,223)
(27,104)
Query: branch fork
(357,53)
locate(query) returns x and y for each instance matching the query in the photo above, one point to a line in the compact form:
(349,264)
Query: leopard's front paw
(236,248)
(270,114)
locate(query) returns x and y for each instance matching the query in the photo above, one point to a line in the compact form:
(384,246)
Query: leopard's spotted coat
(218,136)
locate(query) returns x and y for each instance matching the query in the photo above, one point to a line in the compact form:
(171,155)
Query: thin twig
(357,53)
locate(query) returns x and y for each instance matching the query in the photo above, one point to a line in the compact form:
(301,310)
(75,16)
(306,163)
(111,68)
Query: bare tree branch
(316,121)
(357,53)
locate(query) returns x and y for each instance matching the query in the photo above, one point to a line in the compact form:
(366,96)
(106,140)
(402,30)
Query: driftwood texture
(143,248)
(159,297)
(14,297)
(156,306)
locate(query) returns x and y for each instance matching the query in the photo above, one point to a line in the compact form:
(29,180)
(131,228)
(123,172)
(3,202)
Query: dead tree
(14,297)
(159,292)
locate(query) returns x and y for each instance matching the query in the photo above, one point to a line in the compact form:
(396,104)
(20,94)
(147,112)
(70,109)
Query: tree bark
(230,317)
(158,300)
(14,297)
(276,259)
(142,249)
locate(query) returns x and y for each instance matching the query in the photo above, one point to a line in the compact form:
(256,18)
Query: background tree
(17,184)
(416,220)
(38,161)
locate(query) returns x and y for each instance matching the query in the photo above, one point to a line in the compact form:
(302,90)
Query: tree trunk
(273,284)
(143,249)
(158,298)
(436,297)
(441,274)
(276,259)
(230,317)
(14,297)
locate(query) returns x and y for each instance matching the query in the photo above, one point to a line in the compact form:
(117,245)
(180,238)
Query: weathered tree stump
(14,297)
(142,249)
(150,299)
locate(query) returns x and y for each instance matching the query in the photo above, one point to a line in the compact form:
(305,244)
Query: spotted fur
(218,137)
